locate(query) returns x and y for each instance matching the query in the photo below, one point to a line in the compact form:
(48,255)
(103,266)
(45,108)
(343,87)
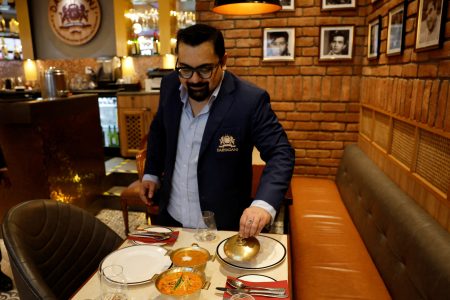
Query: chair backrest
(54,247)
(140,162)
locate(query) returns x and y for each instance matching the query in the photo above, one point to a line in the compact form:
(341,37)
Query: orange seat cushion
(329,258)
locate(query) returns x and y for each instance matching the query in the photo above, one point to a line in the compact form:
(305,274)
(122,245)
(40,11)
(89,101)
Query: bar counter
(53,149)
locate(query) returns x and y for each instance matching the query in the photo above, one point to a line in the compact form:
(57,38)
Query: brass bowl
(241,249)
(194,257)
(191,295)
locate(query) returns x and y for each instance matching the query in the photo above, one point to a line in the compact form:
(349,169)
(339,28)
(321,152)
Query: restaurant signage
(75,22)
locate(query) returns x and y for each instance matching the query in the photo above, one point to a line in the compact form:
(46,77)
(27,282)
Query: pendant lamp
(246,7)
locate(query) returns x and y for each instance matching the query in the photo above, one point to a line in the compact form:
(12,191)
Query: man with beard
(199,153)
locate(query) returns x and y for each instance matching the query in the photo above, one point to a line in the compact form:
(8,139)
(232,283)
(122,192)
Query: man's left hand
(253,220)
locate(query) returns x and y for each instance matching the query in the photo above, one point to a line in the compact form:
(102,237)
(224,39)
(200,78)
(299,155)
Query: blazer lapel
(218,110)
(173,122)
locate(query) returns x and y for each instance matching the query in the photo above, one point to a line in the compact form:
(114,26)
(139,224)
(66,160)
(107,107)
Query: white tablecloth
(216,271)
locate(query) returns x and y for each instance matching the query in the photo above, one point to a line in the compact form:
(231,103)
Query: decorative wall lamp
(246,7)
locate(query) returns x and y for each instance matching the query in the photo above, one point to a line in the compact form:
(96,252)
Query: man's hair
(338,33)
(277,34)
(198,34)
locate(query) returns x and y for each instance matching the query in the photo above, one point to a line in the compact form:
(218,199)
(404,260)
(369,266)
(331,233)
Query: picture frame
(338,4)
(336,42)
(287,4)
(278,44)
(430,29)
(396,29)
(373,38)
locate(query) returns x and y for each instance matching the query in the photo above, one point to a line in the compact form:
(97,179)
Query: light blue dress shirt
(184,203)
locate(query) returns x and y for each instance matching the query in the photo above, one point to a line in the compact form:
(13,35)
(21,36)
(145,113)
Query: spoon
(237,284)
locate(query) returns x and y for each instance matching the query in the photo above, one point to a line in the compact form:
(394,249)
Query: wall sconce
(169,61)
(128,72)
(246,7)
(30,71)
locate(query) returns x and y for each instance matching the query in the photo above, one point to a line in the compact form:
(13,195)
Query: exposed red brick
(323,116)
(332,126)
(428,70)
(295,116)
(318,153)
(327,107)
(426,101)
(433,102)
(307,125)
(443,105)
(283,106)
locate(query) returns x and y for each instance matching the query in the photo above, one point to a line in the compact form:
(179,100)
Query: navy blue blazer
(240,118)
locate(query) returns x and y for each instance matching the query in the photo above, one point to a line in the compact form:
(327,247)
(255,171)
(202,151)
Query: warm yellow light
(249,8)
(169,61)
(30,70)
(128,71)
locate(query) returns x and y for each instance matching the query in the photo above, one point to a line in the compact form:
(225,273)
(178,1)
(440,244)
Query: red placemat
(149,240)
(272,284)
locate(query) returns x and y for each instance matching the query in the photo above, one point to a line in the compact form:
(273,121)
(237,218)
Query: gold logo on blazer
(227,143)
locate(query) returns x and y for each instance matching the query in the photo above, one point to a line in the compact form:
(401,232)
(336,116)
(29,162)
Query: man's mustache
(197,85)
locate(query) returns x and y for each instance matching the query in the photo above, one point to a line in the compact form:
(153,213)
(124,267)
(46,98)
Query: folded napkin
(150,240)
(271,284)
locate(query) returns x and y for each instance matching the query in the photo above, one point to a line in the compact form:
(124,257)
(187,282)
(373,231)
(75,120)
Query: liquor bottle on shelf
(2,24)
(110,137)
(115,136)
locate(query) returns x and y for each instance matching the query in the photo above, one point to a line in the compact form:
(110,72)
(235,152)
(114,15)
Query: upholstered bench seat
(362,237)
(330,260)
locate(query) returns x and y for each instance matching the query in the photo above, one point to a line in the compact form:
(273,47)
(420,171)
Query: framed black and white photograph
(278,44)
(431,24)
(396,31)
(338,4)
(336,42)
(373,45)
(287,4)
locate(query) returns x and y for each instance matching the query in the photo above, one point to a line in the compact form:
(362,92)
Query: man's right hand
(147,191)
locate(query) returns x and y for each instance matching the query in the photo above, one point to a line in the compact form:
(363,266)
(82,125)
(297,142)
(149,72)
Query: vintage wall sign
(75,22)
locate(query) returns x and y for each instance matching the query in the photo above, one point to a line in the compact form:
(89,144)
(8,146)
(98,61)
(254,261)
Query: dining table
(217,270)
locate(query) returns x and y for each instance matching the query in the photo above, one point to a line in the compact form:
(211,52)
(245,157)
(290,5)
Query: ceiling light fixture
(246,7)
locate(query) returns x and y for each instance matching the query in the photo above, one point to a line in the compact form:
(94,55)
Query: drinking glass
(242,296)
(206,229)
(113,283)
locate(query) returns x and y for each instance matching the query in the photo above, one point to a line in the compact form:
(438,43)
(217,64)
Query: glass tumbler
(206,229)
(113,283)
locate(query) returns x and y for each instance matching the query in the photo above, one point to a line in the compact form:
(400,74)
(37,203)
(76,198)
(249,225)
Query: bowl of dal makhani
(194,257)
(181,282)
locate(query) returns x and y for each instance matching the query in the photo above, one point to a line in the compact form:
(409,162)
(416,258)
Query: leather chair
(54,247)
(130,195)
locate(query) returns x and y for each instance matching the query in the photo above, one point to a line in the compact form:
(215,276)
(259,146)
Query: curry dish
(190,258)
(180,283)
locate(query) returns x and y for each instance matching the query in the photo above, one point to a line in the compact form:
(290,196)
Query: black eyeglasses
(205,72)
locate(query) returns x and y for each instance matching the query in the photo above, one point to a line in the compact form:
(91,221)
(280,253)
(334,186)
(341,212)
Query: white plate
(256,278)
(139,262)
(271,253)
(155,229)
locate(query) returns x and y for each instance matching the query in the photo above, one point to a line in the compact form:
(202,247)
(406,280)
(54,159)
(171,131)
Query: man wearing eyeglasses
(199,154)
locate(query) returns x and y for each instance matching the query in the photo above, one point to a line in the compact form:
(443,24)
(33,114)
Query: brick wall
(318,102)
